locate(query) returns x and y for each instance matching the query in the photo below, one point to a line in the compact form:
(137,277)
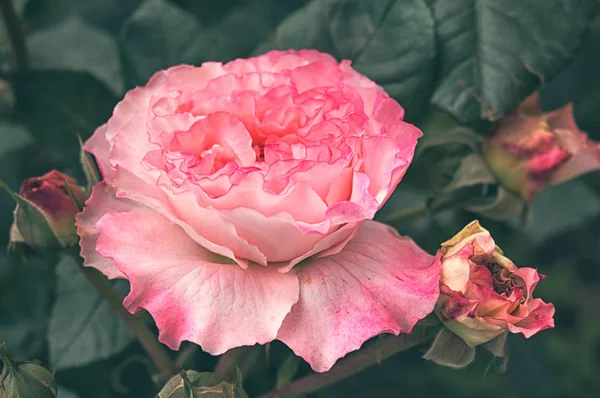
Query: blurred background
(83,55)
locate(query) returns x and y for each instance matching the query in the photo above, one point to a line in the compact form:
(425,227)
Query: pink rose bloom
(234,201)
(483,294)
(530,150)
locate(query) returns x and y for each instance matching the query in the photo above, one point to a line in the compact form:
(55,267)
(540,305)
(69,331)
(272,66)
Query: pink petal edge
(191,293)
(379,283)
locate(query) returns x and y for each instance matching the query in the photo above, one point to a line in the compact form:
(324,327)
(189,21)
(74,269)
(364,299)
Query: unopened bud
(45,214)
(25,379)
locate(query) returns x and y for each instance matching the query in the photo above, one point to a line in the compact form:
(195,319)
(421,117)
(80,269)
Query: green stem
(185,354)
(147,339)
(15,34)
(406,215)
(356,362)
(243,358)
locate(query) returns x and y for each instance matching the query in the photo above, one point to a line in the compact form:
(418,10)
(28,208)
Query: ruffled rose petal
(540,317)
(379,283)
(205,226)
(102,201)
(191,293)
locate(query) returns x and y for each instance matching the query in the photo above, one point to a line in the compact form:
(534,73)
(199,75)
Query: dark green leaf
(494,53)
(156,36)
(57,105)
(89,50)
(390,41)
(159,35)
(13,137)
(83,328)
(287,370)
(27,286)
(579,84)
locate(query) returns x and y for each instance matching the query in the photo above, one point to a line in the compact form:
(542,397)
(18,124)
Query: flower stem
(356,362)
(185,354)
(15,34)
(407,215)
(147,339)
(243,358)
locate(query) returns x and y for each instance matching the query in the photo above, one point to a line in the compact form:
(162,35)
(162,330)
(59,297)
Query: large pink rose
(234,201)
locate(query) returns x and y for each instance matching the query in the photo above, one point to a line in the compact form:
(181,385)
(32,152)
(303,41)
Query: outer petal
(191,293)
(380,282)
(98,145)
(101,202)
(541,316)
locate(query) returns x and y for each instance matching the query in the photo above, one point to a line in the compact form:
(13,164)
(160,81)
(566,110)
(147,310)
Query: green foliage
(493,53)
(82,327)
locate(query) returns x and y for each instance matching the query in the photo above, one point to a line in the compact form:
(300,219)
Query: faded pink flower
(530,150)
(234,201)
(483,294)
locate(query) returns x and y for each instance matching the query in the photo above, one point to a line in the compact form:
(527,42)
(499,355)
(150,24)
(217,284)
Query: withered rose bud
(193,384)
(46,209)
(24,379)
(530,150)
(484,294)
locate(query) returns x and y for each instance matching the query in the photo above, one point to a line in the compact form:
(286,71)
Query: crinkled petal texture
(220,180)
(259,159)
(483,294)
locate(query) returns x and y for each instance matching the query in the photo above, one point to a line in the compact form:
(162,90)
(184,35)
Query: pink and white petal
(202,224)
(102,201)
(379,283)
(541,316)
(329,245)
(278,236)
(192,294)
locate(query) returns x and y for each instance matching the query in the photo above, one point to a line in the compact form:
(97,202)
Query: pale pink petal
(192,294)
(102,201)
(202,224)
(379,283)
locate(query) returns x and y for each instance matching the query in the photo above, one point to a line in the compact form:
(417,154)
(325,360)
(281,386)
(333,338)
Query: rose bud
(530,150)
(25,379)
(46,209)
(483,294)
(191,383)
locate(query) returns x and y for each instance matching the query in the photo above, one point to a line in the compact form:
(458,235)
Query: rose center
(503,284)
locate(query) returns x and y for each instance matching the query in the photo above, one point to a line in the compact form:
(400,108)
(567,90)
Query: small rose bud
(24,379)
(45,212)
(530,150)
(193,384)
(484,294)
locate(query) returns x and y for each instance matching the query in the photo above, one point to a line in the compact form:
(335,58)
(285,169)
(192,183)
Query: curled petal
(378,283)
(102,201)
(191,293)
(540,317)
